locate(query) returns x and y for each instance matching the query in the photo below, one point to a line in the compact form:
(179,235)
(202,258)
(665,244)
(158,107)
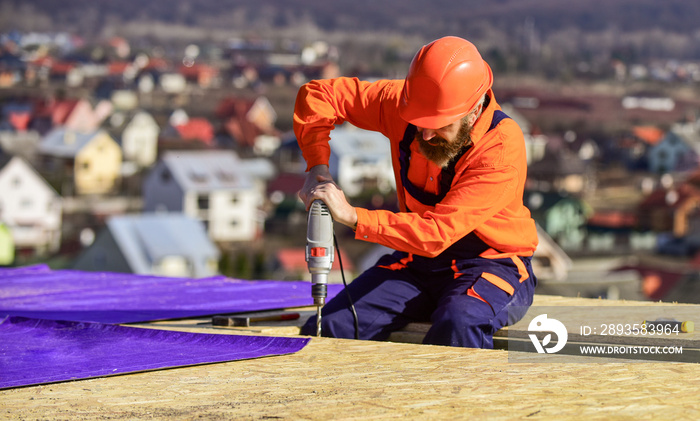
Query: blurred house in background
(7,246)
(81,162)
(561,216)
(74,114)
(250,124)
(139,140)
(152,244)
(29,207)
(211,186)
(361,160)
(671,154)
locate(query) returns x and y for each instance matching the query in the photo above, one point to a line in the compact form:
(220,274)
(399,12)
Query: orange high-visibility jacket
(486,195)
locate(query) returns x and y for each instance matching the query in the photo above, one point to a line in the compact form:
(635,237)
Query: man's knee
(464,324)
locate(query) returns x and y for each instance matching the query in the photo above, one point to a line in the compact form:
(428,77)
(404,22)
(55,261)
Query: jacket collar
(484,121)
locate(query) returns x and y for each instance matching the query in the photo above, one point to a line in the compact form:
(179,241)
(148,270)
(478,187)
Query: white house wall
(190,207)
(29,207)
(140,140)
(232,215)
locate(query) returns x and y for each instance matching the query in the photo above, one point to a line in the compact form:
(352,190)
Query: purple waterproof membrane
(42,293)
(36,351)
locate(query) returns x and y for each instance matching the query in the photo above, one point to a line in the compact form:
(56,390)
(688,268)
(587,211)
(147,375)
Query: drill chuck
(319,292)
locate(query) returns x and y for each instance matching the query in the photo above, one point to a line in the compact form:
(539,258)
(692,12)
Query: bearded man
(463,239)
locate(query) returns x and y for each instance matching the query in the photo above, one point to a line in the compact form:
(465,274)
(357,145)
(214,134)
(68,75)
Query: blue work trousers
(466,300)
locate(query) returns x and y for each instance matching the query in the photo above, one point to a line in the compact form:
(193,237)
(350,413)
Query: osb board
(345,379)
(554,300)
(594,313)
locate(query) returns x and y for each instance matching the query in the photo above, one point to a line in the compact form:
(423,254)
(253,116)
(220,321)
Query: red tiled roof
(649,134)
(197,129)
(195,70)
(117,67)
(60,110)
(659,197)
(230,107)
(156,63)
(61,68)
(233,112)
(613,219)
(20,120)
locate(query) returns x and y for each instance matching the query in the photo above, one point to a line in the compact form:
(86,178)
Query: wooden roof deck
(347,379)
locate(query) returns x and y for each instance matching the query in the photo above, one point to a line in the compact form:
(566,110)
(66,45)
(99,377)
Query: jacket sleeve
(322,104)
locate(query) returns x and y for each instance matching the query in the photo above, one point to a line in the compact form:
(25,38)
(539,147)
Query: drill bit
(318,320)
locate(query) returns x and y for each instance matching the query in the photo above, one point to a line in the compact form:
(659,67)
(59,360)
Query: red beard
(441,151)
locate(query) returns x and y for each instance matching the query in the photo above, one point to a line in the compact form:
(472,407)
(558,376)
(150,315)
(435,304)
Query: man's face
(444,144)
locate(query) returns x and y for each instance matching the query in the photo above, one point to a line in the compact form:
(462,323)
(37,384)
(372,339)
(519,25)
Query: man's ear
(475,114)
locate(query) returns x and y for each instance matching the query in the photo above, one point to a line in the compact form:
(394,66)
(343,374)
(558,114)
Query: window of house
(544,262)
(203,202)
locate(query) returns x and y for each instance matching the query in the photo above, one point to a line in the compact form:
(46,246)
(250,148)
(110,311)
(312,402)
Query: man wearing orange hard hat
(463,239)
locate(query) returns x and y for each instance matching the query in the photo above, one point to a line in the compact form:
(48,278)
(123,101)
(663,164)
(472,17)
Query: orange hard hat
(444,83)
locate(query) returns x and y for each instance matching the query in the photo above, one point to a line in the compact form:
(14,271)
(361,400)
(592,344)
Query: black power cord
(342,274)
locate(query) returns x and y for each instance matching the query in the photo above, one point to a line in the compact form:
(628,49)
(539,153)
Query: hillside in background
(679,16)
(638,27)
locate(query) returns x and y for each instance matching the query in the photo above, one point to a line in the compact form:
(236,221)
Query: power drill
(319,254)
